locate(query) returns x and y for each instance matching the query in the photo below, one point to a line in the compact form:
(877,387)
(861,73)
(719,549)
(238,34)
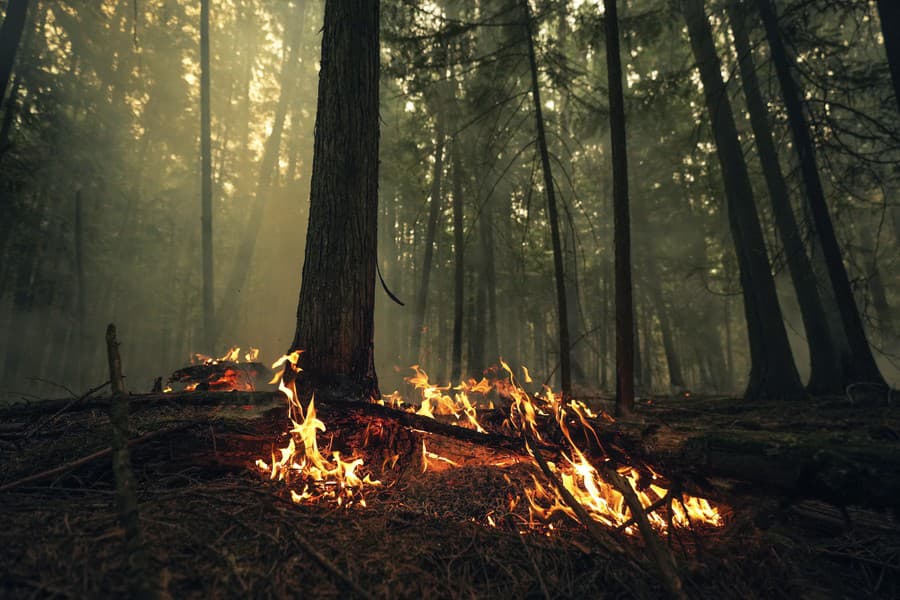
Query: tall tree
(621,220)
(335,314)
(206,180)
(773,373)
(434,212)
(458,262)
(859,364)
(825,374)
(10,36)
(889,14)
(565,369)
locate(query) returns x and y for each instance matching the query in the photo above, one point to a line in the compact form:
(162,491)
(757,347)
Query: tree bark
(889,14)
(434,213)
(859,365)
(624,303)
(10,36)
(335,314)
(825,374)
(206,181)
(565,369)
(459,264)
(773,373)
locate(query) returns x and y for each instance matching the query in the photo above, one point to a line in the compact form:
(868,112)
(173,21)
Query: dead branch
(91,457)
(659,554)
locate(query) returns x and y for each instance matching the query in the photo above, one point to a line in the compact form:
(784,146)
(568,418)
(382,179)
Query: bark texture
(335,315)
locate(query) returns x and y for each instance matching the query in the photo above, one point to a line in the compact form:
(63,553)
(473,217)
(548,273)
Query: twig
(329,566)
(90,458)
(65,407)
(649,510)
(659,554)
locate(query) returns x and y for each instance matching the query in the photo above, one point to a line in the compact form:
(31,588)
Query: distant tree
(773,373)
(625,350)
(889,13)
(859,364)
(825,369)
(565,369)
(458,263)
(206,181)
(335,314)
(10,36)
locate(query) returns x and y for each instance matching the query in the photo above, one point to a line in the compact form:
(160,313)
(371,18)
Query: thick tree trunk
(860,364)
(335,315)
(458,264)
(625,347)
(10,36)
(565,370)
(773,373)
(206,182)
(434,212)
(889,14)
(825,374)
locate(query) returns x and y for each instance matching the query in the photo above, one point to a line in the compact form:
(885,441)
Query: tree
(772,372)
(889,13)
(206,180)
(10,36)
(825,374)
(459,263)
(621,220)
(565,369)
(859,365)
(335,314)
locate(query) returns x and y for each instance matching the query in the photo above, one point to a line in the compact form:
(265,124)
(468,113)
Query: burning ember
(582,471)
(301,464)
(226,373)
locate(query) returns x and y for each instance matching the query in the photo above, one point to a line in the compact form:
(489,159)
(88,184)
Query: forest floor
(806,492)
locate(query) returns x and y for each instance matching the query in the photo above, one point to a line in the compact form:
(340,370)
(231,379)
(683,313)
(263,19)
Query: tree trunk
(773,373)
(335,314)
(565,371)
(860,364)
(10,36)
(889,14)
(459,264)
(206,181)
(434,212)
(624,304)
(825,375)
(673,365)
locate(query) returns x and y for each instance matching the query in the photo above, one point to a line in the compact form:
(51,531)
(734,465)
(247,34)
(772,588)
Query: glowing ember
(301,464)
(224,373)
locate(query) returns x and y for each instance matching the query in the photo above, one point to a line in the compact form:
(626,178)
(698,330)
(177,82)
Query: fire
(223,373)
(584,469)
(301,462)
(436,400)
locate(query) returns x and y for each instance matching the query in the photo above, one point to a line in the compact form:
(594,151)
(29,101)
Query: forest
(447,298)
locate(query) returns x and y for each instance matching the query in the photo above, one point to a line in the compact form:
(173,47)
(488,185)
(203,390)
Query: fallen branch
(597,532)
(659,554)
(91,457)
(64,408)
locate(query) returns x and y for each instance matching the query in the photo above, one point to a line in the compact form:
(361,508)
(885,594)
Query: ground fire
(543,419)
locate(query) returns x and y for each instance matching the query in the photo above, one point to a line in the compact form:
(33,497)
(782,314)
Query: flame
(436,400)
(301,462)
